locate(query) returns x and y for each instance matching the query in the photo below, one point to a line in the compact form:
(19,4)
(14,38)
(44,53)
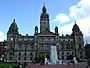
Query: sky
(62,13)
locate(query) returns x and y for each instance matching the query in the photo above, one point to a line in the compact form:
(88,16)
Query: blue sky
(27,14)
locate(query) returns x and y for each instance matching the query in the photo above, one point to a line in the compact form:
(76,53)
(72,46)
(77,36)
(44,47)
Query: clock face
(11,38)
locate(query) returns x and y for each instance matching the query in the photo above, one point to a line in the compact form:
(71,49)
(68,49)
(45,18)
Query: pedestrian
(62,61)
(73,63)
(68,63)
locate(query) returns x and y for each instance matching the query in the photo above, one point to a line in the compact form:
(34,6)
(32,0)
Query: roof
(47,32)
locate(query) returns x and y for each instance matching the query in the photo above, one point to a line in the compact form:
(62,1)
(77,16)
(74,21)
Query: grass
(7,65)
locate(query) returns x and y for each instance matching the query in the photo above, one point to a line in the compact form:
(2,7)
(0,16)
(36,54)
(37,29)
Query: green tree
(39,58)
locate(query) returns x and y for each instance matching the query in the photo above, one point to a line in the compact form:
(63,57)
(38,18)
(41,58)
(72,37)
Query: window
(62,57)
(80,46)
(24,58)
(62,53)
(72,46)
(25,49)
(80,56)
(80,53)
(73,53)
(30,54)
(58,53)
(67,53)
(11,38)
(19,58)
(19,53)
(63,47)
(12,47)
(25,53)
(30,58)
(79,39)
(10,58)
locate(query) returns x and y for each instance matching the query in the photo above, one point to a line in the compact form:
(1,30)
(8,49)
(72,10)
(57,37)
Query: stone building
(24,48)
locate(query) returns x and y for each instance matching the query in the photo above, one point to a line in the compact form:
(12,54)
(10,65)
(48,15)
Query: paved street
(56,66)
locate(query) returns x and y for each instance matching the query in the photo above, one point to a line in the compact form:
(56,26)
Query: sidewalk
(56,66)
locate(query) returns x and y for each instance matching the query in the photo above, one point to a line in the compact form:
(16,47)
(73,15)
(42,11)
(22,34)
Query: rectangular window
(62,53)
(30,58)
(80,56)
(80,46)
(62,57)
(31,54)
(25,54)
(19,53)
(24,58)
(10,58)
(58,53)
(67,53)
(19,58)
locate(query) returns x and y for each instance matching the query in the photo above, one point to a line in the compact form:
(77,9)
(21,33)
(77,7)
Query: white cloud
(81,10)
(81,13)
(84,25)
(62,18)
(2,36)
(66,29)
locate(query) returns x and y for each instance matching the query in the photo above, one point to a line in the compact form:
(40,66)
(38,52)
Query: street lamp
(3,58)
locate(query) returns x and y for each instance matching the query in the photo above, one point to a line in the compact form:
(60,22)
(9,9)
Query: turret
(36,30)
(56,30)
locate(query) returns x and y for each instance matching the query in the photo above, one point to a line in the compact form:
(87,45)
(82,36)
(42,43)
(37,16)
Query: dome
(13,28)
(75,27)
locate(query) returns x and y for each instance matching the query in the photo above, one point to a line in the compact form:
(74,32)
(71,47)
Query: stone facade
(22,48)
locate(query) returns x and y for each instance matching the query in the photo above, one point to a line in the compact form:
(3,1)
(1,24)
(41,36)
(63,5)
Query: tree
(39,58)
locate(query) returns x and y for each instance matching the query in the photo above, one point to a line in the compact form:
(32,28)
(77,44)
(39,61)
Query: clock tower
(44,20)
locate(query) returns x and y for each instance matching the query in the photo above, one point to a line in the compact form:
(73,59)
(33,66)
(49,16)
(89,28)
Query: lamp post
(2,58)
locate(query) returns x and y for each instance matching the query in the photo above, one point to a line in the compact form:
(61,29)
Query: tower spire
(75,22)
(44,8)
(13,20)
(44,3)
(86,42)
